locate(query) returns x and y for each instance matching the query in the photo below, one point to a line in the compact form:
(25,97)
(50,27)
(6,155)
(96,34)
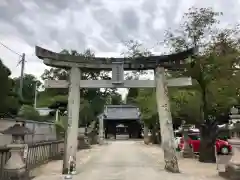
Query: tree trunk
(208,130)
(208,138)
(165,121)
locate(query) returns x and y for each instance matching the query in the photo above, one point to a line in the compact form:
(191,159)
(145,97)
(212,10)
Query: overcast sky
(97,24)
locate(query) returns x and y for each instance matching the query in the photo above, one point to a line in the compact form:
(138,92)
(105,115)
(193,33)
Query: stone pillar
(69,165)
(165,121)
(187,151)
(232,168)
(145,134)
(101,130)
(234,118)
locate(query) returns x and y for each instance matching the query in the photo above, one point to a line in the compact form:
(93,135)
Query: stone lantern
(15,166)
(233,167)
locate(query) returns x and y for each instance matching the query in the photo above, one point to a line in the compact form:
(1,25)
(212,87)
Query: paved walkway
(130,160)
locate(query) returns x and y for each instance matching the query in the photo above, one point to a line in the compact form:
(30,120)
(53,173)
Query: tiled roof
(118,112)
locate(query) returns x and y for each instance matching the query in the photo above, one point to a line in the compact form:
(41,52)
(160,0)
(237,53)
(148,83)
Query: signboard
(117,72)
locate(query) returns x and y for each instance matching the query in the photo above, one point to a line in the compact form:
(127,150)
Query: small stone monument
(187,151)
(15,166)
(233,167)
(101,130)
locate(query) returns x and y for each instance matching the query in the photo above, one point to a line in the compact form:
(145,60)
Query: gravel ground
(129,160)
(55,167)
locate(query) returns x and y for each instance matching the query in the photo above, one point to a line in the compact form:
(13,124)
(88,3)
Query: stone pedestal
(146,137)
(15,166)
(187,151)
(82,142)
(233,167)
(147,140)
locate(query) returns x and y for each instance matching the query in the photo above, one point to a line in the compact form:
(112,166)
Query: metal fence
(38,154)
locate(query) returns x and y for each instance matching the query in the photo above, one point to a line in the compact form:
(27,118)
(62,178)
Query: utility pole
(22,76)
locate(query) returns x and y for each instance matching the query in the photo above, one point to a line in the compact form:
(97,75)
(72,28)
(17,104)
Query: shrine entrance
(172,62)
(122,130)
(122,122)
(118,130)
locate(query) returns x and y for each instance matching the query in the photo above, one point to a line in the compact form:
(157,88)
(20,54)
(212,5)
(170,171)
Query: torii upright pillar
(69,161)
(165,121)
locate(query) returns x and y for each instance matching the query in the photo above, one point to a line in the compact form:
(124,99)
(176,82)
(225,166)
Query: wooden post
(165,121)
(73,118)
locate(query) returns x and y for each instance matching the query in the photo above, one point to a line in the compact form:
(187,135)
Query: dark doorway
(128,128)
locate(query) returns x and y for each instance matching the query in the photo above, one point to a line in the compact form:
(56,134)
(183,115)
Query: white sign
(117,72)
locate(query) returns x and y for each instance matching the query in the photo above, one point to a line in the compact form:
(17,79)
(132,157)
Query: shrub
(28,112)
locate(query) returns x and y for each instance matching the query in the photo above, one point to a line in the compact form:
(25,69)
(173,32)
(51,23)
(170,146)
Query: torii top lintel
(172,61)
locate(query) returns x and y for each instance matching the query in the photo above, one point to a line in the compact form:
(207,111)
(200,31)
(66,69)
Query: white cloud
(98,24)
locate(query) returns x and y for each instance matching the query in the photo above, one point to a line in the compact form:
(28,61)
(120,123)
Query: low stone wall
(42,131)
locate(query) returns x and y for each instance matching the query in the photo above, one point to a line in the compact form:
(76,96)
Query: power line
(22,61)
(10,49)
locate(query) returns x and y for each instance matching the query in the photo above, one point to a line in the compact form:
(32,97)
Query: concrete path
(130,160)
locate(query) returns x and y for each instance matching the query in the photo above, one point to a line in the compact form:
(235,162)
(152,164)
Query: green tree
(61,127)
(28,112)
(86,114)
(132,95)
(134,50)
(46,100)
(211,64)
(185,105)
(13,104)
(29,86)
(116,99)
(9,100)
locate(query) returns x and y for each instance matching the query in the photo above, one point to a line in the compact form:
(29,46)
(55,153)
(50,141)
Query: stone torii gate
(76,64)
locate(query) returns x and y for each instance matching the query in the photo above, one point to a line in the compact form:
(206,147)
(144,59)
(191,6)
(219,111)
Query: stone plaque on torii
(117,65)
